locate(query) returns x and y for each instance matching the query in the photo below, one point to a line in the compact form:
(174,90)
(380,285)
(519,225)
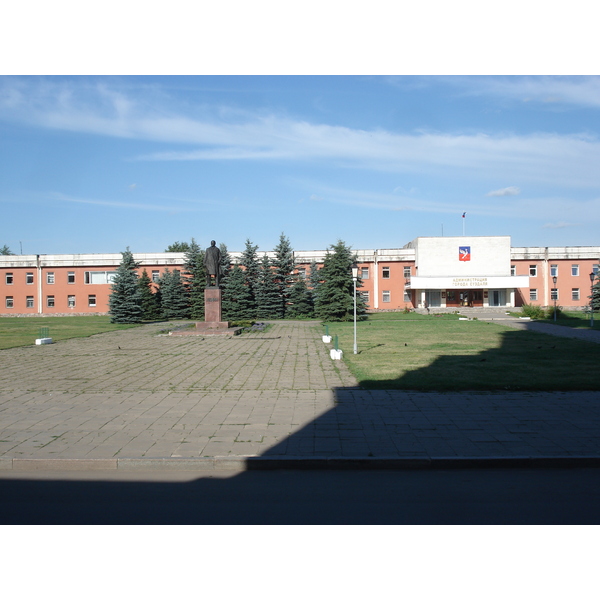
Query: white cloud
(574,91)
(507,191)
(221,134)
(115,203)
(559,225)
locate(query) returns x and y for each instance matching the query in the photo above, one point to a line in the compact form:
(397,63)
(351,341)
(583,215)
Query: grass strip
(15,331)
(444,355)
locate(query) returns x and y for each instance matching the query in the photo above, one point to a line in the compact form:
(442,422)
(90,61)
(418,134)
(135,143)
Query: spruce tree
(284,264)
(225,264)
(335,301)
(268,298)
(300,299)
(595,297)
(124,302)
(178,247)
(237,303)
(195,279)
(314,281)
(174,303)
(249,261)
(148,300)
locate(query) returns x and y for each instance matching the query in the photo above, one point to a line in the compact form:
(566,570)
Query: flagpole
(463,217)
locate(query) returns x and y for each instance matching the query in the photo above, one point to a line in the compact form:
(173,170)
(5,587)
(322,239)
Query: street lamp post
(555,294)
(354,278)
(592,277)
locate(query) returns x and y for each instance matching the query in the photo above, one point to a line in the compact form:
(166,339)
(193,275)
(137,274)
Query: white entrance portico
(464,271)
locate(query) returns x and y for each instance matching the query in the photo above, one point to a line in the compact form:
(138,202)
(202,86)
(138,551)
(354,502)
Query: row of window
(99,277)
(91,277)
(575,294)
(50,301)
(533,270)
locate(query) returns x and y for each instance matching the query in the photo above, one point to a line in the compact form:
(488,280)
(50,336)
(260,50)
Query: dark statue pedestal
(213,325)
(212,304)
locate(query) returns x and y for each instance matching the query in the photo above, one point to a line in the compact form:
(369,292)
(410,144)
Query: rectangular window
(386,296)
(50,301)
(29,303)
(50,278)
(9,279)
(95,277)
(553,294)
(553,270)
(575,294)
(71,277)
(364,272)
(385,272)
(532,270)
(407,297)
(92,300)
(29,278)
(71,301)
(575,270)
(406,272)
(302,273)
(513,270)
(155,276)
(365,296)
(533,294)
(595,269)
(10,303)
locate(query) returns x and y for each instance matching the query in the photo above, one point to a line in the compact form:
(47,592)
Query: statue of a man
(212,263)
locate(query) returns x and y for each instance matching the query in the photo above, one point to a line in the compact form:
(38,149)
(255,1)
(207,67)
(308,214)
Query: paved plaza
(141,399)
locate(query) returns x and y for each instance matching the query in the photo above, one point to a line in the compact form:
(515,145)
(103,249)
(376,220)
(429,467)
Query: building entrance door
(497,298)
(433,298)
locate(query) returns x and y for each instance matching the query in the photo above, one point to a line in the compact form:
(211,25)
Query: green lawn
(575,319)
(439,354)
(15,331)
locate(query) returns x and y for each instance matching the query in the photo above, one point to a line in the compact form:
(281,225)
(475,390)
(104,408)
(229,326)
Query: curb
(259,463)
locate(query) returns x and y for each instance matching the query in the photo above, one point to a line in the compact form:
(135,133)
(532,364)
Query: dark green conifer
(314,281)
(174,302)
(225,264)
(268,298)
(335,299)
(237,303)
(249,261)
(284,264)
(124,302)
(300,301)
(148,300)
(195,279)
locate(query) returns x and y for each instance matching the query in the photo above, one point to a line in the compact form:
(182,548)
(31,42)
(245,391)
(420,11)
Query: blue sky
(98,163)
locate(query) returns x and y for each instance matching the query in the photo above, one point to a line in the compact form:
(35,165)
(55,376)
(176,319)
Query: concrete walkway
(136,399)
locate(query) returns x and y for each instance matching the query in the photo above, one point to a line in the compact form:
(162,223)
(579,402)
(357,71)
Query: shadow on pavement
(497,496)
(374,424)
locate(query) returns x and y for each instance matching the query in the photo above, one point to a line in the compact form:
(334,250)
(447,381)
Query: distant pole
(21,244)
(354,278)
(463,218)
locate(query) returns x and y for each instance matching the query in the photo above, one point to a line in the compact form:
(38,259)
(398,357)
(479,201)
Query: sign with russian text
(464,253)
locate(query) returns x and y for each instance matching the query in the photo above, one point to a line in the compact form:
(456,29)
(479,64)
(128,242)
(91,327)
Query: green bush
(532,311)
(550,312)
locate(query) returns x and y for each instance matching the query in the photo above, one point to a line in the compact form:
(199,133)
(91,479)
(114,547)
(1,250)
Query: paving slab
(136,400)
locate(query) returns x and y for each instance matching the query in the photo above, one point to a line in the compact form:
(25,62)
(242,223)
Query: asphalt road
(478,496)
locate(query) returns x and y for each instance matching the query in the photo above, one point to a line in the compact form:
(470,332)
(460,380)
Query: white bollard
(335,354)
